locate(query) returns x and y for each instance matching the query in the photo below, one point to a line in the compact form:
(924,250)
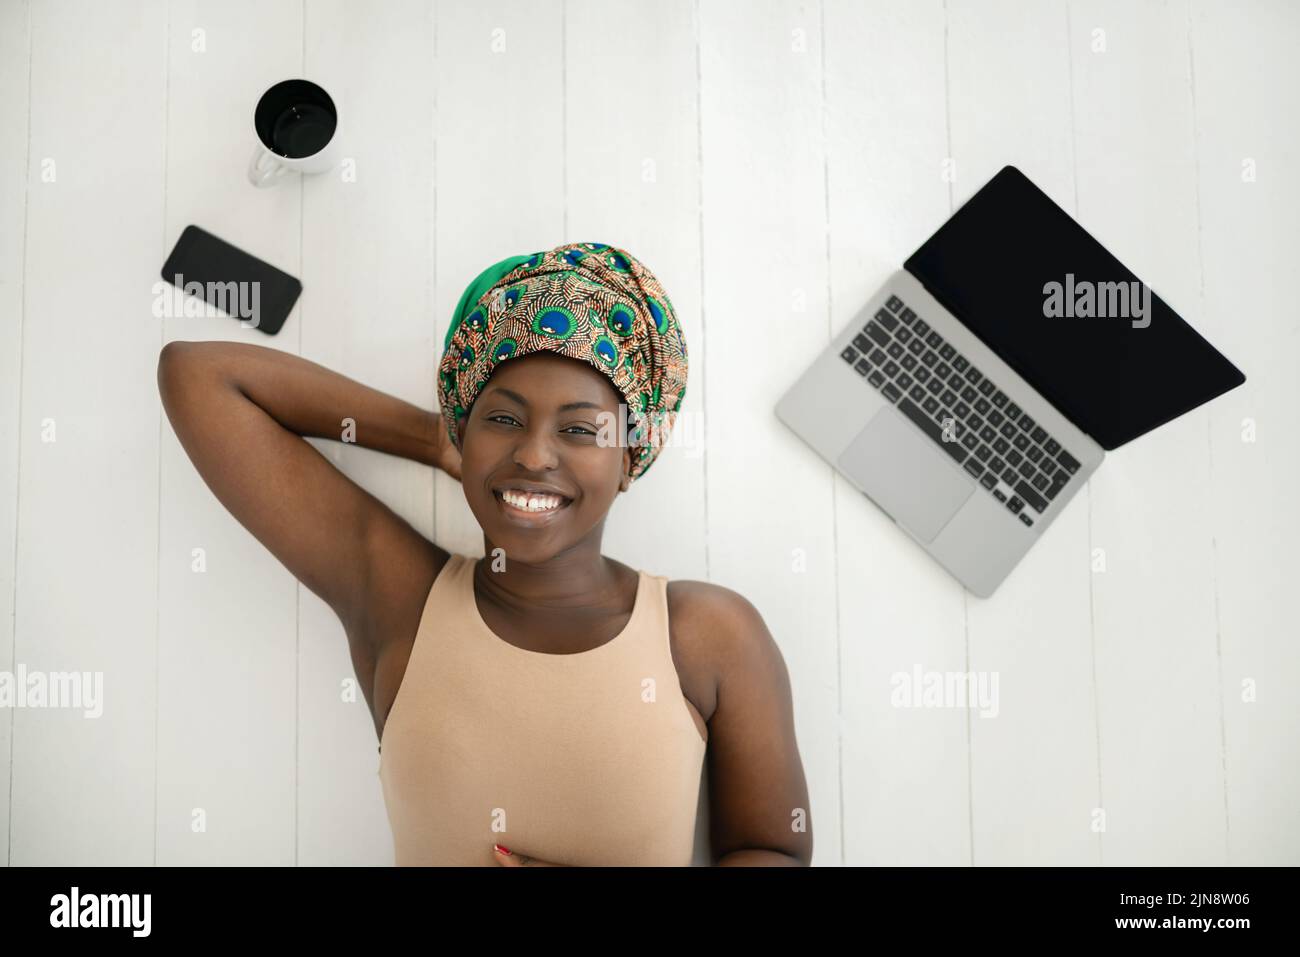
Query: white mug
(296,123)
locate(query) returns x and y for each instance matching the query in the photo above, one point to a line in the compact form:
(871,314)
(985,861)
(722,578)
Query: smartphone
(224,276)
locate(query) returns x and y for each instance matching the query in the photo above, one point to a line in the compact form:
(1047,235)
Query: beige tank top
(584,759)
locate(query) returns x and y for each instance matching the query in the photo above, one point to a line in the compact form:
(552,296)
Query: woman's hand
(445,455)
(507,858)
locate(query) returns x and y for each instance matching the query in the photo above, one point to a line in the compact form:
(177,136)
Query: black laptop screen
(1066,314)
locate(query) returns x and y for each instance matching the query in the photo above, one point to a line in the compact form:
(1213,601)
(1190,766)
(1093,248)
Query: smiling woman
(545,698)
(570,637)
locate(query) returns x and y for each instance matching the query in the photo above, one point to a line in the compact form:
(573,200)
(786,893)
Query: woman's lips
(525,518)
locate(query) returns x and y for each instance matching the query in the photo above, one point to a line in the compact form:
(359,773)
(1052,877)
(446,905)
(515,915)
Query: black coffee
(295,118)
(302,130)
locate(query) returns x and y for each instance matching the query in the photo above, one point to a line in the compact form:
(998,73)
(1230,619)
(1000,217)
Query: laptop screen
(1066,314)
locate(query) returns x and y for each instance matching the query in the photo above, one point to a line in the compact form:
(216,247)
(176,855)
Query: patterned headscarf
(589,301)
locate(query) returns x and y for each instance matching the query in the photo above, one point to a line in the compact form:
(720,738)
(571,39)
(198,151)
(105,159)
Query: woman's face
(536,424)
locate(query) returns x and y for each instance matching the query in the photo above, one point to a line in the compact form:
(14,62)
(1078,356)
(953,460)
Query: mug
(296,122)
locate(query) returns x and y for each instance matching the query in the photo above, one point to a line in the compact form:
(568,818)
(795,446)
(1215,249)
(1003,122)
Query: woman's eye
(511,419)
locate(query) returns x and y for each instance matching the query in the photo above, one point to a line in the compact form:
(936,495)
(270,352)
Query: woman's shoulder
(706,595)
(720,634)
(707,608)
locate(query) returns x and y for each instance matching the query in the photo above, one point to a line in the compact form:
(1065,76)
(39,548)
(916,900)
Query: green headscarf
(589,301)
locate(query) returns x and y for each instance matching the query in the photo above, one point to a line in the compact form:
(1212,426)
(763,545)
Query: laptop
(981,386)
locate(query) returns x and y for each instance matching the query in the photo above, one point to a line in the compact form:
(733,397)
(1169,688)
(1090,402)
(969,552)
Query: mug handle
(261,175)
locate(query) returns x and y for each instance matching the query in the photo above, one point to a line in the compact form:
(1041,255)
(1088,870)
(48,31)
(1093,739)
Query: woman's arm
(240,412)
(758,797)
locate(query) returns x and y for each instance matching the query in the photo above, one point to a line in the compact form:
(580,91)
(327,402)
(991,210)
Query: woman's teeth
(532,503)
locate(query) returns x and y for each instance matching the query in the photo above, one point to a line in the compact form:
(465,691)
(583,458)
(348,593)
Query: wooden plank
(1153,606)
(228,634)
(15,61)
(1245,90)
(87,544)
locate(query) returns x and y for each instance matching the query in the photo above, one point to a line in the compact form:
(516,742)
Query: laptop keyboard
(965,413)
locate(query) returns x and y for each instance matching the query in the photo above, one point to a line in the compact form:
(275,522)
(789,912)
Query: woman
(555,705)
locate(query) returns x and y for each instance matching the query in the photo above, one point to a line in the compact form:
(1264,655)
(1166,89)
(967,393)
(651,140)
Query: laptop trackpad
(906,474)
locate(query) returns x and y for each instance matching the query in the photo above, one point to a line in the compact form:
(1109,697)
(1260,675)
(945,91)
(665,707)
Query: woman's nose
(536,450)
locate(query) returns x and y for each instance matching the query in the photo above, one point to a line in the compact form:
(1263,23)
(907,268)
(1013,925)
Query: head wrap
(588,301)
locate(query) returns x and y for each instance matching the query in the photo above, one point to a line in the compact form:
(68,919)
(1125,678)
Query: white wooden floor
(772,162)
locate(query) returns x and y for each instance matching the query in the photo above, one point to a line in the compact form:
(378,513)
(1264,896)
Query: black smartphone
(240,285)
